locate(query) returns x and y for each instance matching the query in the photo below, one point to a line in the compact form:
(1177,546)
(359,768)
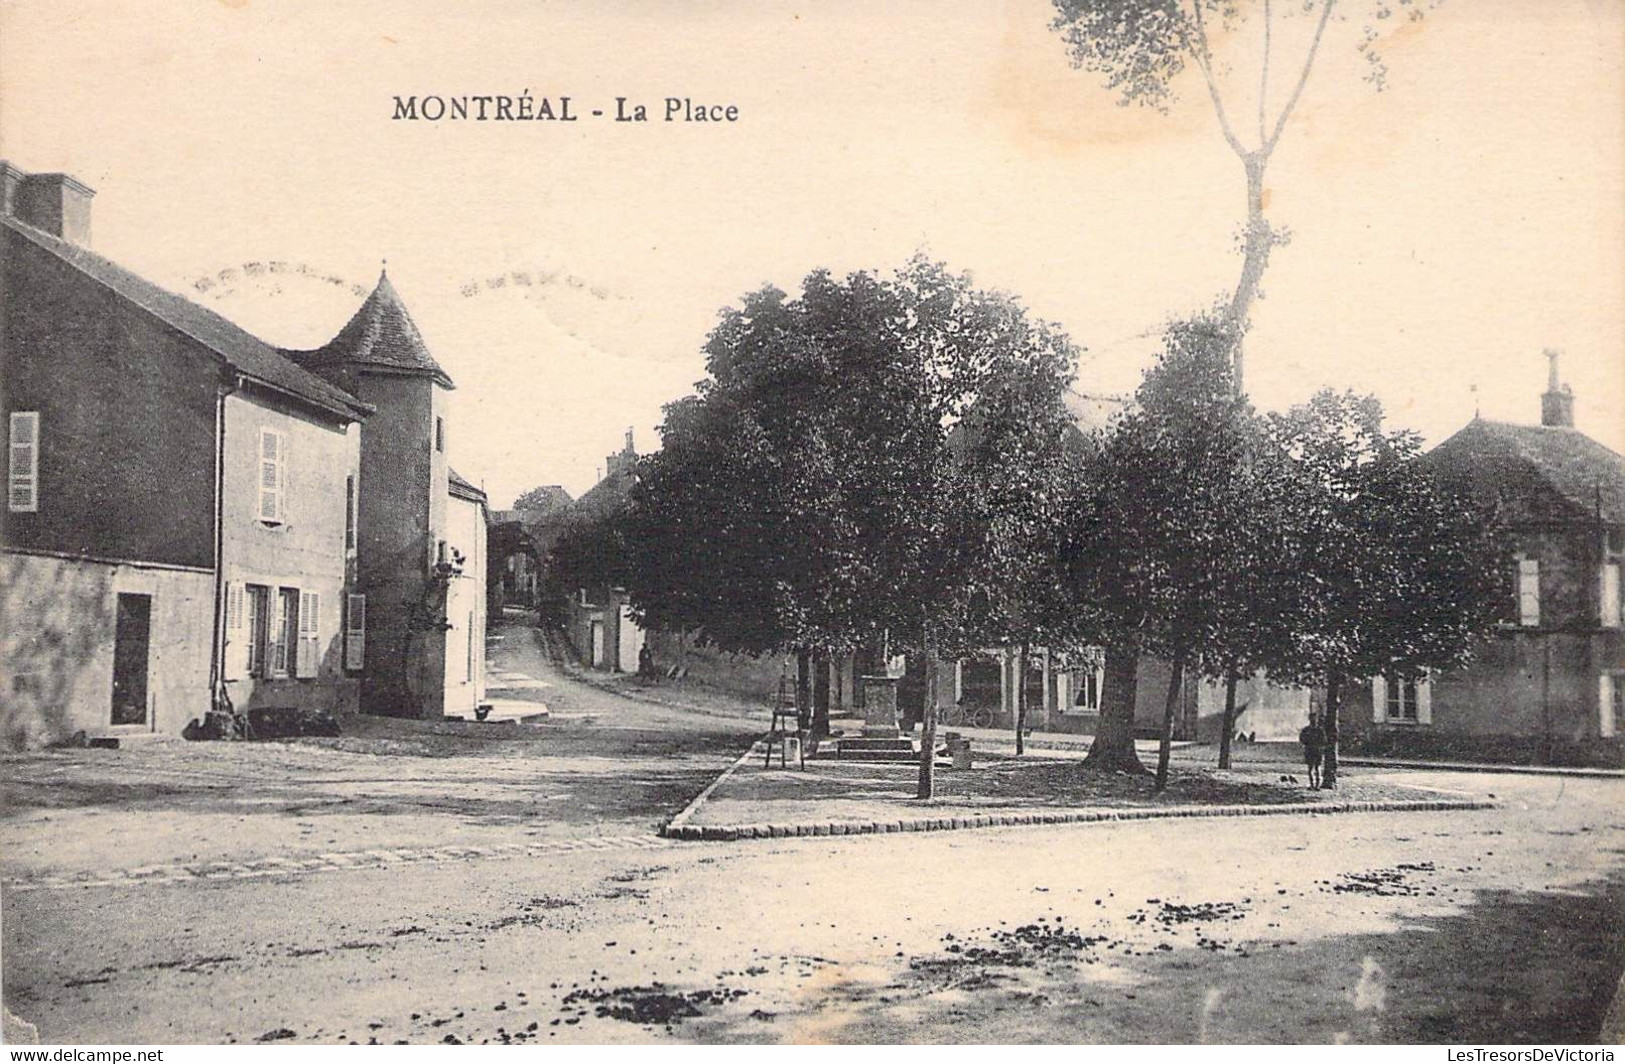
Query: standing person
(1313,738)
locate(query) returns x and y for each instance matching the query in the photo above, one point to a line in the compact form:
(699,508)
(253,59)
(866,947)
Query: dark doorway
(130,644)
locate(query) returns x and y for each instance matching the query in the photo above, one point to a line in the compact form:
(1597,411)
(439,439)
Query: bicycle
(961,716)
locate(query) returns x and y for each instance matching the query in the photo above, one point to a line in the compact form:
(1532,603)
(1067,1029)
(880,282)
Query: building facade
(194,519)
(1547,686)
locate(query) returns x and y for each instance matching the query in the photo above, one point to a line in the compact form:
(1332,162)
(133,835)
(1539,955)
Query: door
(131,638)
(598,644)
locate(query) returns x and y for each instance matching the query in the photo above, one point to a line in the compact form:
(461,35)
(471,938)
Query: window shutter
(310,644)
(1605,705)
(1379,699)
(1610,595)
(1529,592)
(1424,699)
(22,486)
(272,462)
(355,633)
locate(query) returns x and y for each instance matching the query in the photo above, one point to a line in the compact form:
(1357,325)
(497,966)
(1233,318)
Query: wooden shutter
(1610,595)
(308,660)
(1605,705)
(273,474)
(1424,699)
(1379,699)
(22,487)
(355,633)
(1529,592)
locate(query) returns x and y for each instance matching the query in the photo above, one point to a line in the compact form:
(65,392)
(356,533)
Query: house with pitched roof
(1548,685)
(195,517)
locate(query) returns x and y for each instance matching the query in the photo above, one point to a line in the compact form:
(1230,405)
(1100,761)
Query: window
(440,434)
(440,552)
(470,676)
(1610,595)
(1610,703)
(309,655)
(1529,592)
(259,627)
(273,462)
(355,633)
(1085,680)
(22,488)
(283,651)
(349,514)
(1399,699)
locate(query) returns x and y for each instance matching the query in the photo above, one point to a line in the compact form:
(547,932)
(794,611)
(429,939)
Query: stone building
(193,516)
(1548,685)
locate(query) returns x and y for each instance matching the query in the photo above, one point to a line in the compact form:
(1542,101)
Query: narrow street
(529,900)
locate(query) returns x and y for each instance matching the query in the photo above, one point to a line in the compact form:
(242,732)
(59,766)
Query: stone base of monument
(867,749)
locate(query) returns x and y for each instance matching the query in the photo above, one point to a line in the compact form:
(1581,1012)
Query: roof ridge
(328,394)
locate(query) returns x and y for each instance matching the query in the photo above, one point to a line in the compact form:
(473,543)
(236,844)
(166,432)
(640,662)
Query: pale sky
(1444,230)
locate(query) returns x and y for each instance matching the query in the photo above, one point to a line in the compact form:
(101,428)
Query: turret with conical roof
(380,336)
(380,357)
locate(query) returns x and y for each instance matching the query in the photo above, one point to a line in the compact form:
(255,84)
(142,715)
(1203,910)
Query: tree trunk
(1175,676)
(1021,699)
(928,727)
(821,696)
(1113,748)
(1328,765)
(1255,256)
(1230,681)
(803,688)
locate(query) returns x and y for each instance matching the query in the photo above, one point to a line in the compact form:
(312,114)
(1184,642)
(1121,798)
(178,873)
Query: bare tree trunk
(1175,676)
(1230,681)
(1021,699)
(928,726)
(1255,257)
(1328,770)
(1113,748)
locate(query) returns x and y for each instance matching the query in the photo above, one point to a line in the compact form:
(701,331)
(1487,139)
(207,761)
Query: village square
(930,655)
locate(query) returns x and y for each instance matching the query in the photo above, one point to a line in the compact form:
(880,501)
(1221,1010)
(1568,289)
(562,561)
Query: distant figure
(1313,739)
(646,662)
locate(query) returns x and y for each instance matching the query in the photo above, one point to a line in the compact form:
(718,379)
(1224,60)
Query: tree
(824,486)
(1158,549)
(1407,575)
(1141,47)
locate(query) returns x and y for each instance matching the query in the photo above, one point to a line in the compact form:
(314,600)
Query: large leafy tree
(1406,575)
(824,484)
(1157,544)
(1144,49)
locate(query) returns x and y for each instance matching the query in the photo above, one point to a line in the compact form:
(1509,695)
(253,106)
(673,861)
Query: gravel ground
(1486,926)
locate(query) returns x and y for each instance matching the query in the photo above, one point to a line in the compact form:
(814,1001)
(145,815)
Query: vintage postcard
(938,521)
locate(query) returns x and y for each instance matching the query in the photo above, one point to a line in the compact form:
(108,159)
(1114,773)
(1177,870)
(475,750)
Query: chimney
(53,203)
(1557,405)
(625,460)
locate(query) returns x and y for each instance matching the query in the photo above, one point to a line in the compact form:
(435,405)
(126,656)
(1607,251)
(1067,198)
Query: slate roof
(457,484)
(244,352)
(1585,475)
(607,497)
(380,333)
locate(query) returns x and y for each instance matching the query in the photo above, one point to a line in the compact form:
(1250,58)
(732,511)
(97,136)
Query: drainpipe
(217,649)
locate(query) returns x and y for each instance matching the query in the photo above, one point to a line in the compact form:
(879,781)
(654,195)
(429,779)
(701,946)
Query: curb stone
(688,810)
(734,832)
